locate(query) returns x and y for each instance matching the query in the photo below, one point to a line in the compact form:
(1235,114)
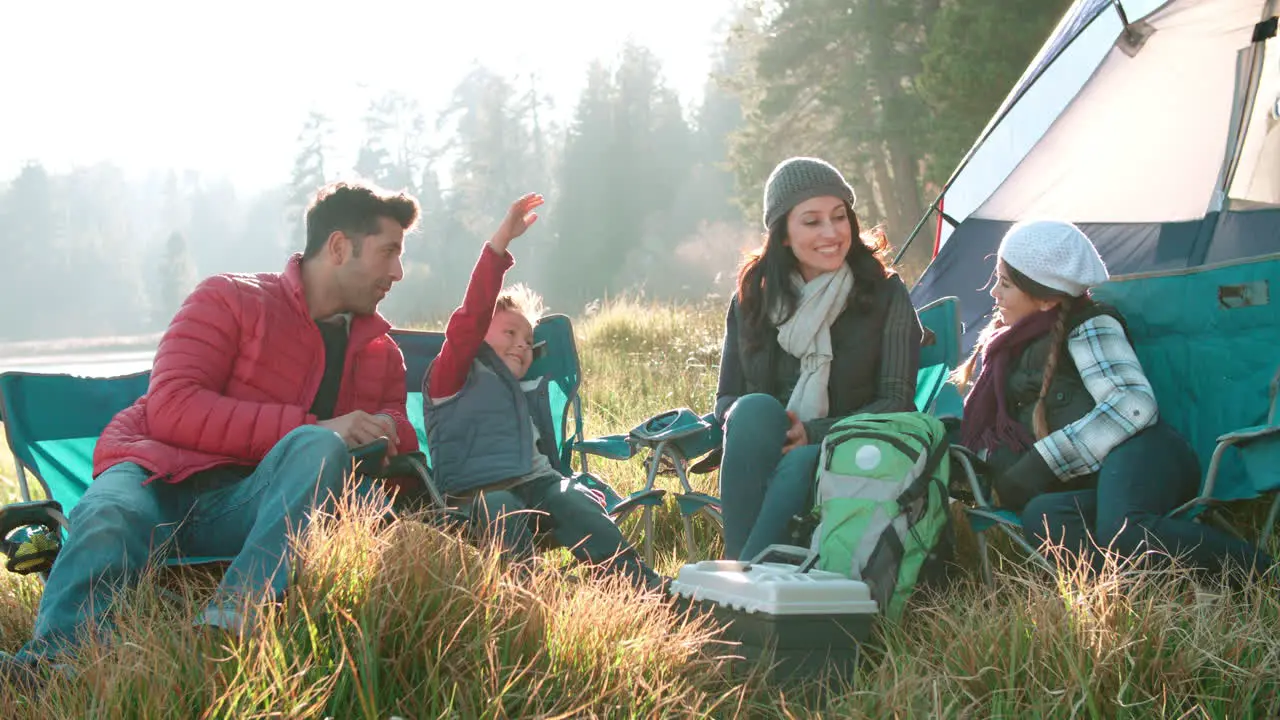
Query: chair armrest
(973,467)
(30,552)
(1247,435)
(426,495)
(614,447)
(47,513)
(1240,439)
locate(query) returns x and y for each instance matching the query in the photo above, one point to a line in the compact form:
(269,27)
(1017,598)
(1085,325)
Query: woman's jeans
(1141,481)
(760,488)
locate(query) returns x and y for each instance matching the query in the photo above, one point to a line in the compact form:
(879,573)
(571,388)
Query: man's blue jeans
(120,525)
(760,488)
(1141,480)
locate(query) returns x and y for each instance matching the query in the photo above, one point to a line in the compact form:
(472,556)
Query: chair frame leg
(1032,553)
(679,461)
(1014,533)
(651,479)
(984,560)
(1264,537)
(648,534)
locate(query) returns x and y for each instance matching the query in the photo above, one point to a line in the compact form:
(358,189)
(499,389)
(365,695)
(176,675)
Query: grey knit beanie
(798,179)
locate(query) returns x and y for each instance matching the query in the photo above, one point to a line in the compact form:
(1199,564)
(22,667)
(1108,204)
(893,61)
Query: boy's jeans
(556,504)
(121,524)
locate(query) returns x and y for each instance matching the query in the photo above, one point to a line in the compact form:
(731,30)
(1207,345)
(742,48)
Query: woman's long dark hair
(1067,304)
(764,280)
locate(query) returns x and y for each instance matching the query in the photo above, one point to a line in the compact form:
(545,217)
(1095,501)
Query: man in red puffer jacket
(261,386)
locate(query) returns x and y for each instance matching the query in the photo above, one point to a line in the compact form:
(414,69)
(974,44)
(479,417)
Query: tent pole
(1124,17)
(933,207)
(1002,111)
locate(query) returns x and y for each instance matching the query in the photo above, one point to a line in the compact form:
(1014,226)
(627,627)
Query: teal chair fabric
(939,356)
(1209,342)
(556,356)
(52,424)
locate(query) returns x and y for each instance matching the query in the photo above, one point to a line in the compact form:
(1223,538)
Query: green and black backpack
(882,505)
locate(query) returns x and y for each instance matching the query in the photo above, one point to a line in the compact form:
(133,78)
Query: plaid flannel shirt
(1125,401)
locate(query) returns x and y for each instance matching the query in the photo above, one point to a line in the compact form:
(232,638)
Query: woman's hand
(797,436)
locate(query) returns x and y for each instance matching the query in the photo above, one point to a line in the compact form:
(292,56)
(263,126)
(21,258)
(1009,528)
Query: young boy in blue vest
(490,429)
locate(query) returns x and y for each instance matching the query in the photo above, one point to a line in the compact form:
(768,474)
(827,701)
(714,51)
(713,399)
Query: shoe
(27,676)
(20,675)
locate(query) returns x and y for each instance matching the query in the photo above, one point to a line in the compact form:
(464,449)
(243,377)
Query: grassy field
(402,620)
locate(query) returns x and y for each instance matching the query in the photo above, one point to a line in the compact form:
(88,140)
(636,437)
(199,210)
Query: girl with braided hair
(1066,420)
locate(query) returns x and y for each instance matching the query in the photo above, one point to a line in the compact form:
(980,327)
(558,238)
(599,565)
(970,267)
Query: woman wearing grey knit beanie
(1066,421)
(818,329)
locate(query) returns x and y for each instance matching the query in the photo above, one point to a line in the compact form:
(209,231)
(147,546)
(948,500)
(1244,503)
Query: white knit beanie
(1055,254)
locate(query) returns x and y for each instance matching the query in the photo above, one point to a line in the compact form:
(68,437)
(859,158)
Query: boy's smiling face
(511,336)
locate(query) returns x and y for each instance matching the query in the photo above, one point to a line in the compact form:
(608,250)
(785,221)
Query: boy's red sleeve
(469,324)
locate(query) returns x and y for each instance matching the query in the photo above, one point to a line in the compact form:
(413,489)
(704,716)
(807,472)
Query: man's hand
(797,436)
(519,218)
(359,427)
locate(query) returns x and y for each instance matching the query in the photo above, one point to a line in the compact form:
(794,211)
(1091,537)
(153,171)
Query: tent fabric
(1031,108)
(1245,234)
(1145,139)
(963,268)
(1134,133)
(1257,176)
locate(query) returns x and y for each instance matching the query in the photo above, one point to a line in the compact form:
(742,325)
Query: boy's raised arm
(470,322)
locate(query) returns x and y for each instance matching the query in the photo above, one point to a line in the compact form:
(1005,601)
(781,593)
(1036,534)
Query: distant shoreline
(73,346)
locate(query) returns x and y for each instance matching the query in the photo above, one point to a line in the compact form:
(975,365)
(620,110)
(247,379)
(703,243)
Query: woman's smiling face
(819,233)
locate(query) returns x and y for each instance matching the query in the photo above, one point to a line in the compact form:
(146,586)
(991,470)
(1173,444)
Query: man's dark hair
(354,208)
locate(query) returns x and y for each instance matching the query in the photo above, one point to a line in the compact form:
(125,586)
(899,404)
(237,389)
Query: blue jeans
(121,525)
(1141,481)
(760,488)
(555,505)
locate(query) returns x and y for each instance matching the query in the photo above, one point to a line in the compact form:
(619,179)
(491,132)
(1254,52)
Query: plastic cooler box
(811,620)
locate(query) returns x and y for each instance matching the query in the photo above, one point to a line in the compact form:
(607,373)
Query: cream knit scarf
(807,335)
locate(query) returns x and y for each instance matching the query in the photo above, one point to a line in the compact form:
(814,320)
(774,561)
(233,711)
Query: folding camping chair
(52,423)
(939,357)
(1207,339)
(555,356)
(672,439)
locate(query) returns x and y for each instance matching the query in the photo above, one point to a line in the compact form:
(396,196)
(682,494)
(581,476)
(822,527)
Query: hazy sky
(223,87)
